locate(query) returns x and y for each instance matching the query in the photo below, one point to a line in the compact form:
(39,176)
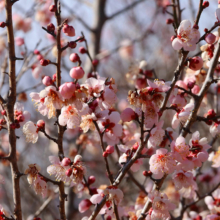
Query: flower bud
(147,173)
(128,115)
(77,72)
(82,50)
(67,90)
(41,124)
(54,77)
(52,8)
(91,180)
(13,126)
(205,4)
(44,62)
(169,21)
(19,41)
(191,84)
(2,24)
(69,172)
(3,112)
(51,27)
(93,190)
(84,205)
(195,89)
(210,38)
(47,81)
(110,149)
(69,30)
(210,114)
(74,57)
(95,62)
(195,26)
(40,57)
(72,44)
(209,122)
(172,38)
(36,52)
(135,146)
(81,37)
(195,63)
(66,161)
(109,218)
(105,154)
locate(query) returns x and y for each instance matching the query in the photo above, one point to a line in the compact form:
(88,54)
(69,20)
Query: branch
(124,9)
(209,79)
(103,150)
(199,12)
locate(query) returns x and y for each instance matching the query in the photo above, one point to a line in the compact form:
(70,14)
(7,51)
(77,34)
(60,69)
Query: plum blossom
(30,131)
(112,130)
(190,191)
(71,116)
(158,85)
(162,163)
(213,202)
(187,37)
(48,101)
(161,205)
(199,149)
(71,174)
(32,173)
(87,122)
(113,195)
(215,129)
(94,86)
(151,115)
(182,116)
(107,99)
(156,135)
(20,115)
(182,179)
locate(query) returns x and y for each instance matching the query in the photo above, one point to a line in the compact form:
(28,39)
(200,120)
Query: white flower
(30,132)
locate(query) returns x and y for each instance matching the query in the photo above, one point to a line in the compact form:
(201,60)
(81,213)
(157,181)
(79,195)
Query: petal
(177,44)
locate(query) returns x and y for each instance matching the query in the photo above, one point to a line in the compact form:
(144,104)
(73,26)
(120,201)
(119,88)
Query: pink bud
(127,115)
(3,112)
(69,172)
(72,44)
(69,30)
(44,62)
(196,89)
(54,77)
(36,52)
(82,50)
(19,41)
(74,57)
(66,161)
(210,38)
(105,154)
(196,63)
(77,72)
(84,205)
(191,84)
(41,124)
(47,81)
(67,90)
(52,8)
(91,180)
(141,83)
(110,149)
(51,27)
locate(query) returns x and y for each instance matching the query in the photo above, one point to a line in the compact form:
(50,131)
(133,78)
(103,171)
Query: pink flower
(190,191)
(87,122)
(210,38)
(162,163)
(30,132)
(128,115)
(40,186)
(199,149)
(94,86)
(182,179)
(156,135)
(20,115)
(215,129)
(70,116)
(182,116)
(37,71)
(48,101)
(32,173)
(23,24)
(47,81)
(108,99)
(161,205)
(150,115)
(67,90)
(72,174)
(113,130)
(158,85)
(213,202)
(187,37)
